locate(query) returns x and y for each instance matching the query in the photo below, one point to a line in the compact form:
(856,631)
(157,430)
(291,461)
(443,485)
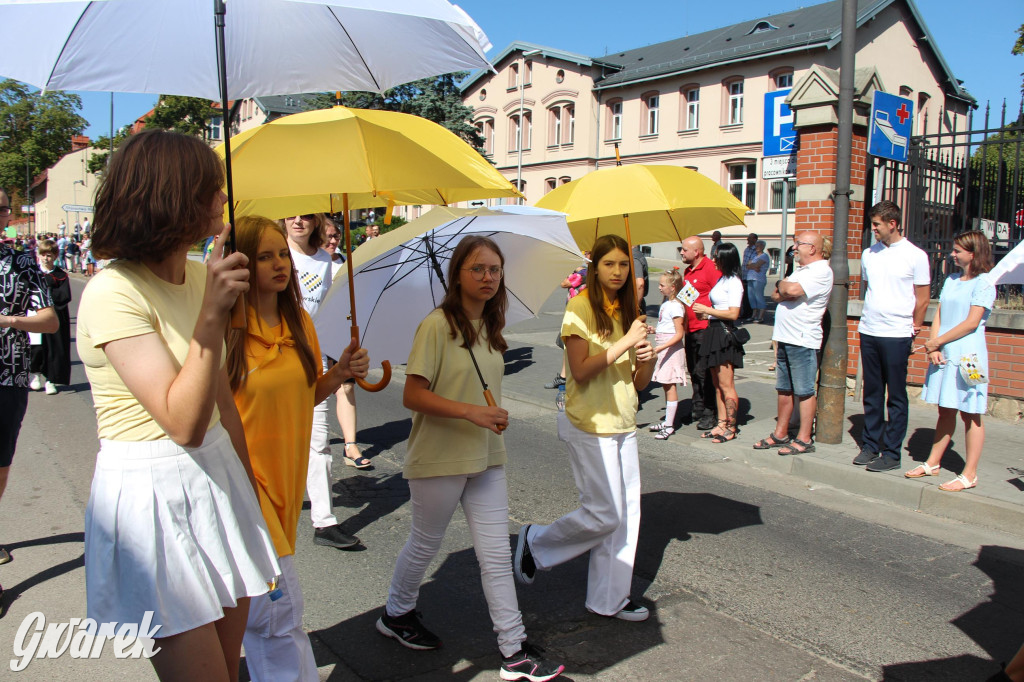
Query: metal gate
(957,181)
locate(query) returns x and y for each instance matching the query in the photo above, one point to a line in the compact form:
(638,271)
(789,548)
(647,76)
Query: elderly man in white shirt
(802,299)
(898,290)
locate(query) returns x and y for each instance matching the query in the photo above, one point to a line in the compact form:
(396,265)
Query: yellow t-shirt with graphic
(124,300)
(608,402)
(446,447)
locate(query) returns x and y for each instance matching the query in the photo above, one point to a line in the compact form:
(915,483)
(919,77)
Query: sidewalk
(997,502)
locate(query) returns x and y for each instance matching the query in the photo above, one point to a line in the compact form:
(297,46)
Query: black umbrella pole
(219,12)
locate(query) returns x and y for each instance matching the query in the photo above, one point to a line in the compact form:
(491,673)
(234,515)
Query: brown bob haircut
(155,196)
(976,242)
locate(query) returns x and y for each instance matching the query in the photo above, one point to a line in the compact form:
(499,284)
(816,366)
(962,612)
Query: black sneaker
(864,457)
(883,463)
(707,422)
(633,612)
(331,536)
(559,380)
(408,631)
(529,664)
(522,564)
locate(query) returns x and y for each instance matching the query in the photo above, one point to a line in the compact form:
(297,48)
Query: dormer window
(761,27)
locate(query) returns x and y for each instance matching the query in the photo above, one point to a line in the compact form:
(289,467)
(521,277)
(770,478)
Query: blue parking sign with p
(891,125)
(779,135)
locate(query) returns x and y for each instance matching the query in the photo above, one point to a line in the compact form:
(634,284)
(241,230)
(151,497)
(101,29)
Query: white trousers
(484,498)
(277,649)
(319,477)
(607,473)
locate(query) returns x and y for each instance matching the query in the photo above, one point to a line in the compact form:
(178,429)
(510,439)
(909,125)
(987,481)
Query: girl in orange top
(276,378)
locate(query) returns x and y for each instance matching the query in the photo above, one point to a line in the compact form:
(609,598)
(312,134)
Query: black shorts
(13,403)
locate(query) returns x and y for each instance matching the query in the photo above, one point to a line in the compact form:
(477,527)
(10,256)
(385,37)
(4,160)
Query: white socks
(670,412)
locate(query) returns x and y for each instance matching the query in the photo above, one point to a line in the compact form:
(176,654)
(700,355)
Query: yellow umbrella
(644,203)
(335,159)
(305,162)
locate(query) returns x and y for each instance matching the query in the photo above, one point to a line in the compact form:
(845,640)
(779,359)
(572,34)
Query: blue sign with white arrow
(891,126)
(779,135)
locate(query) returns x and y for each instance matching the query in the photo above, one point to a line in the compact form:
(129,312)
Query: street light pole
(522,119)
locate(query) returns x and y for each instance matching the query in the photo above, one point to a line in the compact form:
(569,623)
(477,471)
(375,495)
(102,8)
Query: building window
(775,199)
(215,127)
(513,76)
(483,94)
(651,102)
(784,80)
(528,73)
(615,120)
(564,180)
(560,76)
(734,105)
(555,126)
(743,183)
(549,185)
(692,96)
(569,111)
(513,133)
(485,127)
(517,133)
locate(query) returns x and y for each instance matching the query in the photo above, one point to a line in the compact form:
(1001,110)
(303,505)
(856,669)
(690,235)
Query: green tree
(98,161)
(35,132)
(436,99)
(188,115)
(1018,49)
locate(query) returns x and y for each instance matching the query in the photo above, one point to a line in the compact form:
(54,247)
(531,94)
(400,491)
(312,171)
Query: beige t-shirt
(126,299)
(448,447)
(608,402)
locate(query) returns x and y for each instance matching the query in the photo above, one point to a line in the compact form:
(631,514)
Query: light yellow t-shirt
(608,402)
(124,300)
(448,447)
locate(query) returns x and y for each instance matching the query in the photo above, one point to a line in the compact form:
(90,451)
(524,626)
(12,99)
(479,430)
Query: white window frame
(652,102)
(744,187)
(615,111)
(775,196)
(570,110)
(692,108)
(784,80)
(735,102)
(556,133)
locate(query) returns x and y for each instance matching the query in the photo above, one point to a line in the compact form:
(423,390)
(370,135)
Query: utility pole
(522,119)
(832,392)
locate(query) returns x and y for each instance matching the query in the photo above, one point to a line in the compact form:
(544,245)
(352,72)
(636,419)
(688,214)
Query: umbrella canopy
(400,276)
(375,157)
(663,204)
(1010,269)
(272,46)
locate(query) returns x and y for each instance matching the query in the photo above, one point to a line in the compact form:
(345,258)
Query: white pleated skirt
(172,530)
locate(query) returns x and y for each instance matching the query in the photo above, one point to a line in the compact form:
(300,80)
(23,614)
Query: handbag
(972,371)
(739,335)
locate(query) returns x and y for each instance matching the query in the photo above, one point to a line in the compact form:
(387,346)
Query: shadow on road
(995,625)
(14,592)
(518,359)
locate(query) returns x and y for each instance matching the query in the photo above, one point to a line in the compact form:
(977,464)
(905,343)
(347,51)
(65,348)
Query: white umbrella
(272,47)
(1010,269)
(400,276)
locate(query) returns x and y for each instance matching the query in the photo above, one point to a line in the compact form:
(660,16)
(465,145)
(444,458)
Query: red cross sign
(902,114)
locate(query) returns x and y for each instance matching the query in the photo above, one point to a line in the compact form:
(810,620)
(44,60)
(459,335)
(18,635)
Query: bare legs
(346,411)
(807,408)
(210,652)
(726,397)
(974,439)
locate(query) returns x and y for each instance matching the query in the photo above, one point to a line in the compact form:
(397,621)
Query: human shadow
(518,359)
(385,436)
(919,446)
(673,516)
(48,540)
(856,429)
(13,592)
(376,496)
(995,625)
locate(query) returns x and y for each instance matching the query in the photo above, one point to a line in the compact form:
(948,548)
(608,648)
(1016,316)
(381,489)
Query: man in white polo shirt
(802,299)
(898,283)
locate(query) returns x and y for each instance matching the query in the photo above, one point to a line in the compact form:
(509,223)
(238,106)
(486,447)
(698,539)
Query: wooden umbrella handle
(385,366)
(490,402)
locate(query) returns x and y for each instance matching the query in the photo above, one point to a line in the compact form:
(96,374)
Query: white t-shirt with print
(669,310)
(890,274)
(798,320)
(314,274)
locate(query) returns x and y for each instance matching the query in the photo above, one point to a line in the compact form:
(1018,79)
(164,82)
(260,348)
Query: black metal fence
(956,181)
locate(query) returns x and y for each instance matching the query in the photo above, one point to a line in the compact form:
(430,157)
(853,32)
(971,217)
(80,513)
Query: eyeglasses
(478,271)
(5,210)
(306,216)
(803,243)
(334,237)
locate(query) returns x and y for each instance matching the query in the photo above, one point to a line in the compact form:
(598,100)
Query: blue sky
(979,56)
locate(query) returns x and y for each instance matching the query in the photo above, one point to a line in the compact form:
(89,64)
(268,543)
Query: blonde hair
(674,279)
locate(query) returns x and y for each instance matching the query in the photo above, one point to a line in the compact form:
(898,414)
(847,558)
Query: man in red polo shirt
(703,275)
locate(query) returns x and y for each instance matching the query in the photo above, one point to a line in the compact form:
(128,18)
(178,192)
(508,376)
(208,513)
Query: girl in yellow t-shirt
(276,377)
(609,359)
(173,530)
(456,455)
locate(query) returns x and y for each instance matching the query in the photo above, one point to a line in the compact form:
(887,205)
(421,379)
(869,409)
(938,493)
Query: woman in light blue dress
(959,330)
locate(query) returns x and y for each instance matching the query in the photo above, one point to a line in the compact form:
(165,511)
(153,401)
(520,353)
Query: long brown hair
(494,309)
(626,295)
(155,196)
(977,243)
(248,233)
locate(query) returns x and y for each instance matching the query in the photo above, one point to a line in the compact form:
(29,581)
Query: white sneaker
(50,388)
(36,384)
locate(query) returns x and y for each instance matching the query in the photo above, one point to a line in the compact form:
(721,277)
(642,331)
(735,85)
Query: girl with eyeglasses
(456,455)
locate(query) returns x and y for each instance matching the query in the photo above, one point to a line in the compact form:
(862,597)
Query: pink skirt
(671,365)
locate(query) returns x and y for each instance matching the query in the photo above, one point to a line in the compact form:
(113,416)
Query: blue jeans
(884,361)
(755,294)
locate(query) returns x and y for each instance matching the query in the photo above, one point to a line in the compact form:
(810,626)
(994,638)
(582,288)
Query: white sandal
(962,480)
(925,470)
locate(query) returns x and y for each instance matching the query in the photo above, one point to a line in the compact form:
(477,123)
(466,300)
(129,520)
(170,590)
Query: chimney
(79,142)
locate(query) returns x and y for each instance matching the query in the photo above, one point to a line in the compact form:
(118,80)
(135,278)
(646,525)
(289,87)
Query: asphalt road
(750,575)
